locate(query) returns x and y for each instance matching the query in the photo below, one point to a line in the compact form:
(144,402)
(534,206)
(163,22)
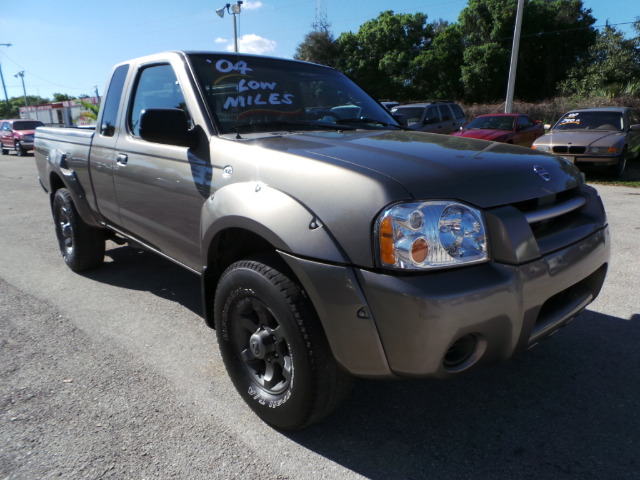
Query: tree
(318,46)
(611,69)
(556,34)
(380,56)
(61,97)
(90,111)
(438,72)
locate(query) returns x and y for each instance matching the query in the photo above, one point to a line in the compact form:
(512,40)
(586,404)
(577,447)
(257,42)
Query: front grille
(556,220)
(571,149)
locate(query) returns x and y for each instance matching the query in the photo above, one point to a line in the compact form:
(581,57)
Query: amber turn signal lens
(387,248)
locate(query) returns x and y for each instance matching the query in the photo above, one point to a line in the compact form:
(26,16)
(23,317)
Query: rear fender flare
(60,175)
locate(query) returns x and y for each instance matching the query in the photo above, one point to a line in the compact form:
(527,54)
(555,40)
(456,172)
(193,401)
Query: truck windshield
(254,94)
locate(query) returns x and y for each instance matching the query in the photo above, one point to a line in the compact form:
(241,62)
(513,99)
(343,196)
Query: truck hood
(433,166)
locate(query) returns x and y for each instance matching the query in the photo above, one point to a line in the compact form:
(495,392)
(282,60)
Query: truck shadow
(567,409)
(137,269)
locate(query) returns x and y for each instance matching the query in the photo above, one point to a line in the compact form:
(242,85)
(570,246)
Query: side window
(5,126)
(445,113)
(431,116)
(156,87)
(112,101)
(524,122)
(457,111)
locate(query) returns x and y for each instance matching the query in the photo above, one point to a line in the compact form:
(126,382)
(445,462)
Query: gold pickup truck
(331,241)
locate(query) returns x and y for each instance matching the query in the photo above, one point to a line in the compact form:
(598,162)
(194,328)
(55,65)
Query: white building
(67,113)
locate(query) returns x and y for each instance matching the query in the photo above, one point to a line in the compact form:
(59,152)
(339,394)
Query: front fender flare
(278,218)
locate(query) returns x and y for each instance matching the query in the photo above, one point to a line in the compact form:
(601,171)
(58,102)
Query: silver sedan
(595,137)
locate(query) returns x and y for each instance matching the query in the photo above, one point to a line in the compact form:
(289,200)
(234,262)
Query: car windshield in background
(27,125)
(252,94)
(498,122)
(590,121)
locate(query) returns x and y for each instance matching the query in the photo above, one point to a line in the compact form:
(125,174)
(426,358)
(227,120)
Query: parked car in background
(512,128)
(435,117)
(17,134)
(595,137)
(389,104)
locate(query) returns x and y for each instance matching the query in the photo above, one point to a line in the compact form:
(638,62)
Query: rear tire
(81,245)
(274,348)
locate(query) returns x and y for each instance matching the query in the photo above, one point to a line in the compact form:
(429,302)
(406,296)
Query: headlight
(435,234)
(603,150)
(542,148)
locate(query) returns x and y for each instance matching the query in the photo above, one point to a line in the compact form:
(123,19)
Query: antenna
(321,24)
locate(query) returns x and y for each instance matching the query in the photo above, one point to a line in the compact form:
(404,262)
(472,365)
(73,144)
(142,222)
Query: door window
(157,87)
(431,116)
(445,113)
(112,101)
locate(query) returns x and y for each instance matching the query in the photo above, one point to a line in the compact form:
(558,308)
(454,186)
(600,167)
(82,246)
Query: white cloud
(251,5)
(250,43)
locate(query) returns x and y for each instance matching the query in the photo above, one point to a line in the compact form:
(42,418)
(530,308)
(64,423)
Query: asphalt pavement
(113,375)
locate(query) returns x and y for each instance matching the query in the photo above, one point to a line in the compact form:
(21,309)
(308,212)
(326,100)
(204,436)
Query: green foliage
(555,34)
(320,47)
(380,56)
(90,111)
(611,69)
(61,97)
(12,110)
(403,57)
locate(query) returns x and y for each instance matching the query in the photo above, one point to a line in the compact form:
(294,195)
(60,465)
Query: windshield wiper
(288,126)
(365,120)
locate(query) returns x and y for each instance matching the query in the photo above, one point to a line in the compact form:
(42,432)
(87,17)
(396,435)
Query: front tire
(19,150)
(81,245)
(274,348)
(619,169)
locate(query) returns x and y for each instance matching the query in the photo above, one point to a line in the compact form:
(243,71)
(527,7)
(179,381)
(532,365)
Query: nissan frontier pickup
(331,242)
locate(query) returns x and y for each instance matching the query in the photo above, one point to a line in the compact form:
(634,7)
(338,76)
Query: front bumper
(442,323)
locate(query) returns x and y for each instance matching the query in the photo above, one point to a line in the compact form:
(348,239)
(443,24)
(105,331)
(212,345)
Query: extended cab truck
(331,243)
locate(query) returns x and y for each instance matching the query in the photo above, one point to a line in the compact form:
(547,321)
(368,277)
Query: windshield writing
(253,94)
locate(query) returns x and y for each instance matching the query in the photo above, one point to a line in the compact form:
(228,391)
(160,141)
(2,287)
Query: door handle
(122,159)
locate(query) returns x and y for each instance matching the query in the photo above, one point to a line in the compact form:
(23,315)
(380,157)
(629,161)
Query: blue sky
(70,46)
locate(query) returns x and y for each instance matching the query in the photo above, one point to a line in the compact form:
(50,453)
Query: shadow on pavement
(137,269)
(568,409)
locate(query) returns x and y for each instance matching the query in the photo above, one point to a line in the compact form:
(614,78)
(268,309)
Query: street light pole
(511,85)
(4,86)
(235,10)
(24,90)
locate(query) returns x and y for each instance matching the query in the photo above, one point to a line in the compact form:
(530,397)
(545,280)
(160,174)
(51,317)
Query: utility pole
(3,84)
(24,90)
(508,106)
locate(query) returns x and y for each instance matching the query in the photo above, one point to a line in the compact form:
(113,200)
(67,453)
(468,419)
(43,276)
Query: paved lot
(113,374)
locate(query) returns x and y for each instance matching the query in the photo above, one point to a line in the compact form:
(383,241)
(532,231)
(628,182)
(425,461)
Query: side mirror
(635,128)
(168,126)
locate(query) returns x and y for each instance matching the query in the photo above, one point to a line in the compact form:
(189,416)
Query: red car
(18,135)
(511,128)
